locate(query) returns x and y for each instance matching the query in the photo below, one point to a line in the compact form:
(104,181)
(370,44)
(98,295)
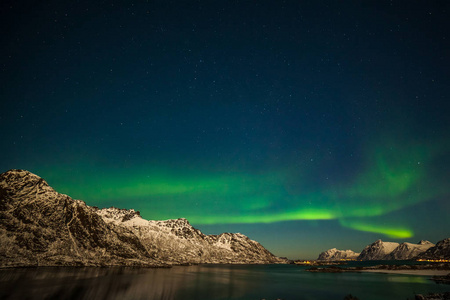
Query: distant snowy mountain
(335,254)
(378,250)
(40,227)
(406,251)
(440,251)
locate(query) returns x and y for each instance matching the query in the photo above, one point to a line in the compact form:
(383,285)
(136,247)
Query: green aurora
(305,125)
(391,180)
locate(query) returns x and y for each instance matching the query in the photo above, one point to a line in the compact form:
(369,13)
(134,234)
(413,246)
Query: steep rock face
(440,251)
(408,251)
(335,254)
(378,250)
(39,226)
(176,241)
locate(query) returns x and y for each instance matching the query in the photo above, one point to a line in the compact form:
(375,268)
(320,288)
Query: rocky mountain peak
(114,214)
(21,181)
(378,250)
(335,254)
(425,242)
(440,251)
(408,251)
(41,227)
(180,222)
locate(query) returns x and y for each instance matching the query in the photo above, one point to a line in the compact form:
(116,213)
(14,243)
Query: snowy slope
(440,251)
(335,254)
(408,251)
(176,241)
(378,250)
(40,227)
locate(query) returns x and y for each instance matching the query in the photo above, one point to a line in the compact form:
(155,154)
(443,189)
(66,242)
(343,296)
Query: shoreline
(427,272)
(439,269)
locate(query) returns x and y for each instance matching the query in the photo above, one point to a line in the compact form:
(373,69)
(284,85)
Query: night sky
(305,125)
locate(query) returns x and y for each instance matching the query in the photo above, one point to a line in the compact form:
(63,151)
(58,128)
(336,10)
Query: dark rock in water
(442,279)
(332,269)
(40,227)
(432,296)
(350,297)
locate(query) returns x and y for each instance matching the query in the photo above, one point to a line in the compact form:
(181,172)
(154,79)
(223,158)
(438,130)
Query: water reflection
(205,282)
(193,282)
(409,279)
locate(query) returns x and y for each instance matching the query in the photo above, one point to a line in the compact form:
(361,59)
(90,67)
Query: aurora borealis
(305,125)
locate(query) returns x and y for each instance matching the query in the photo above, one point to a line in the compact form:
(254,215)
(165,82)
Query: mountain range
(380,250)
(41,227)
(335,254)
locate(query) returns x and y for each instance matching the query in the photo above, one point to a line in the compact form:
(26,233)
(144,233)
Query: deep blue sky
(306,125)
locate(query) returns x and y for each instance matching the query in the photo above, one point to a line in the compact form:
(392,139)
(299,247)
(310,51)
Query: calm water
(207,282)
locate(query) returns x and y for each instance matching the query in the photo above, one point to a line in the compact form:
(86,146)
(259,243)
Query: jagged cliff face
(440,251)
(335,254)
(407,251)
(176,241)
(39,226)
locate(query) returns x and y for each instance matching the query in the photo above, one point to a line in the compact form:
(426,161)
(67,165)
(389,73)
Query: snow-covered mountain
(335,254)
(440,251)
(176,241)
(41,227)
(378,250)
(406,251)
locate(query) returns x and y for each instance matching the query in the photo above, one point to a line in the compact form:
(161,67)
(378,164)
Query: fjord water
(207,282)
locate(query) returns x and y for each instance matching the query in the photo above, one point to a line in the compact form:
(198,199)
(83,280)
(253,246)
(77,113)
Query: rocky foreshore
(442,279)
(433,296)
(336,269)
(317,263)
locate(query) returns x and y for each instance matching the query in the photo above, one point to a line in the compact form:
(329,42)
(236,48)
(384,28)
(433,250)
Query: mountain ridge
(440,251)
(380,250)
(335,254)
(406,250)
(41,227)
